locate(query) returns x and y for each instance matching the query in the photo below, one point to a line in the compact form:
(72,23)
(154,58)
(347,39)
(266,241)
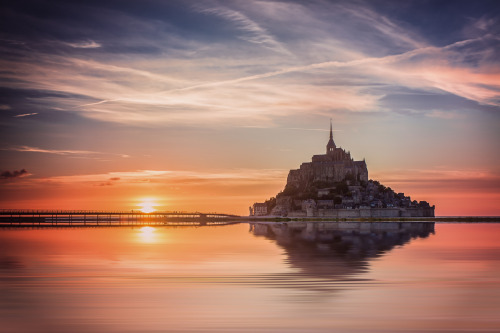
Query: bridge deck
(98,218)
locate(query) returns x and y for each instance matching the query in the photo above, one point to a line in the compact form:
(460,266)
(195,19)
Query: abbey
(335,185)
(334,166)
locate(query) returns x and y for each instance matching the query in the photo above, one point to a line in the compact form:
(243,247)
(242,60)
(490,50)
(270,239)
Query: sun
(147,206)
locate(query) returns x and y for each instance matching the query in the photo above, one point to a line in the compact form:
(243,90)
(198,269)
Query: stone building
(334,166)
(259,209)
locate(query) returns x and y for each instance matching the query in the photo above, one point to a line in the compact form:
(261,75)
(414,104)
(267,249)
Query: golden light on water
(147,235)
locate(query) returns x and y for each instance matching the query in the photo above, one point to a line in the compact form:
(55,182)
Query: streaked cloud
(25,115)
(50,151)
(59,151)
(177,177)
(87,44)
(253,32)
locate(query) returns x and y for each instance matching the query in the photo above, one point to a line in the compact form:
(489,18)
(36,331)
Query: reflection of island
(338,249)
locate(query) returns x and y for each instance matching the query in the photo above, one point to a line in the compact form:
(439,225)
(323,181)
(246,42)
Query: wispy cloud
(59,151)
(86,44)
(387,27)
(442,75)
(291,128)
(274,93)
(172,178)
(25,115)
(253,32)
(50,151)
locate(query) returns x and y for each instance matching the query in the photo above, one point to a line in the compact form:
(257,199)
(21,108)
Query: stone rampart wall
(367,213)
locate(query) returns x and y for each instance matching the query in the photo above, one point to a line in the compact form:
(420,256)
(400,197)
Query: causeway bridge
(31,218)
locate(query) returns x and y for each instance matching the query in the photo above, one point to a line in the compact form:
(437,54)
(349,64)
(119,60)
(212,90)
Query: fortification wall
(360,226)
(368,213)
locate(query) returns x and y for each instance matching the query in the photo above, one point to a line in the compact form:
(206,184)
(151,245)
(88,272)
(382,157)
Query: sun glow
(147,205)
(147,235)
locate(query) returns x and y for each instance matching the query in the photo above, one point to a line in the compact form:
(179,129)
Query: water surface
(251,278)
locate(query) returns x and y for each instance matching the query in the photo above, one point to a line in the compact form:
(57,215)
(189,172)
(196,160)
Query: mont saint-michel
(335,185)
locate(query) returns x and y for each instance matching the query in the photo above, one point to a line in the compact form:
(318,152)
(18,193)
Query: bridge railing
(107,212)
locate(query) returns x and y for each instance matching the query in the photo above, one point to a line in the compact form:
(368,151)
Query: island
(335,185)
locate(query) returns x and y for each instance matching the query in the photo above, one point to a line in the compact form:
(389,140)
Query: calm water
(251,278)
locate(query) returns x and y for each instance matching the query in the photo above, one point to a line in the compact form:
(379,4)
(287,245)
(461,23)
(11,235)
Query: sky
(206,105)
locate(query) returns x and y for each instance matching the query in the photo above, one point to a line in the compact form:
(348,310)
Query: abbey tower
(334,166)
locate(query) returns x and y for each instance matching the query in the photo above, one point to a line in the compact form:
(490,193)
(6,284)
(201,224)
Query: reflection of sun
(147,206)
(147,235)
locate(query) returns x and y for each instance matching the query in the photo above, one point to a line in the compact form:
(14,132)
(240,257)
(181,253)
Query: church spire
(330,147)
(331,132)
